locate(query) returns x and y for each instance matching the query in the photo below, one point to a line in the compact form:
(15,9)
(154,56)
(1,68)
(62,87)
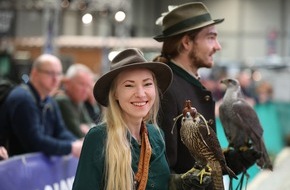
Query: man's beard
(196,61)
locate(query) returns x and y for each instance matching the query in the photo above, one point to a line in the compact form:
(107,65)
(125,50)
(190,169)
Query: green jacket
(90,171)
(73,115)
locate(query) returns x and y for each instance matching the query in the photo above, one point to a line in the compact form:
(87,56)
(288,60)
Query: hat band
(187,23)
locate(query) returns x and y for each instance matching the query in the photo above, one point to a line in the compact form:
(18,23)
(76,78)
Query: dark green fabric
(90,171)
(73,115)
(185,75)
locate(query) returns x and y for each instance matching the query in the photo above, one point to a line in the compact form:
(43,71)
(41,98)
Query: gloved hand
(190,180)
(241,160)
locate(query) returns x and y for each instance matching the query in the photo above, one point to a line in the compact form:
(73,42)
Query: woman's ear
(116,96)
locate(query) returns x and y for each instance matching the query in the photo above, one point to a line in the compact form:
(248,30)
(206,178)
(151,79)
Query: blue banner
(38,172)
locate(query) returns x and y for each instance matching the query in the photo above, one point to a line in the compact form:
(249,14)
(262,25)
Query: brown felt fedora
(129,59)
(184,18)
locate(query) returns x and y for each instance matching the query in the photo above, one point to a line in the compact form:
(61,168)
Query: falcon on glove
(242,126)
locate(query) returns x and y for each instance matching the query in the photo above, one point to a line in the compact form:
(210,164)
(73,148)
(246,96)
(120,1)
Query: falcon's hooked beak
(225,81)
(188,114)
(230,82)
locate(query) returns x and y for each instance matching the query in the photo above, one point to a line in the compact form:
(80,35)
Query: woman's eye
(148,84)
(128,85)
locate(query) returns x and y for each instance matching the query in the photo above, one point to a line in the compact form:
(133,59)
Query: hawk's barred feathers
(203,145)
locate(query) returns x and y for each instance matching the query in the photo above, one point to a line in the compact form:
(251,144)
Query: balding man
(32,116)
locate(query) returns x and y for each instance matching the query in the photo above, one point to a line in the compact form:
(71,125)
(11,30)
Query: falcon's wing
(226,121)
(246,118)
(211,141)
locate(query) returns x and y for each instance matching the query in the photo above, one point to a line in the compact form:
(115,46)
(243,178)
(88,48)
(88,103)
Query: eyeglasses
(51,73)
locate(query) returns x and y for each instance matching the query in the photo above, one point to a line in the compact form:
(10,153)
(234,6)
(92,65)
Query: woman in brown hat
(126,150)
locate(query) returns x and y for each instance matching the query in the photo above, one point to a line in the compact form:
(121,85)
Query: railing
(37,171)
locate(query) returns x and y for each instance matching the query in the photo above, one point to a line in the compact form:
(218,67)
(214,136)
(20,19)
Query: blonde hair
(118,172)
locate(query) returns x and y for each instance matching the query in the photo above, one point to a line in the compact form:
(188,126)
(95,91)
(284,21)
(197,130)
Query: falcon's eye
(231,81)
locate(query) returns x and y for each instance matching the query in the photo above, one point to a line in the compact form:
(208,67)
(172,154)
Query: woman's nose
(140,92)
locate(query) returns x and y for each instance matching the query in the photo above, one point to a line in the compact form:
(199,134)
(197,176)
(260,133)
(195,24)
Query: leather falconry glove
(193,179)
(240,161)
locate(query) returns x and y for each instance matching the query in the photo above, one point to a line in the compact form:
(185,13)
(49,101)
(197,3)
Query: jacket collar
(184,74)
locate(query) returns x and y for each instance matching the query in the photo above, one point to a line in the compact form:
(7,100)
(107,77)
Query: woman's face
(135,92)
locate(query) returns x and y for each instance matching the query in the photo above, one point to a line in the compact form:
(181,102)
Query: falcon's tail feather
(264,162)
(216,174)
(231,173)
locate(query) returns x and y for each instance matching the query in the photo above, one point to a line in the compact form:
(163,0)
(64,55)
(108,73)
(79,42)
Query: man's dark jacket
(33,125)
(184,87)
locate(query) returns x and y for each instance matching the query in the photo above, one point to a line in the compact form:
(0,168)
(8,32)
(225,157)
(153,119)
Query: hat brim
(162,72)
(161,37)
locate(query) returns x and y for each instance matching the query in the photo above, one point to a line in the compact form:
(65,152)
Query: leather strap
(143,166)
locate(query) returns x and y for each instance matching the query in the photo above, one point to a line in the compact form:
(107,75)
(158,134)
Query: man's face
(49,76)
(79,87)
(204,47)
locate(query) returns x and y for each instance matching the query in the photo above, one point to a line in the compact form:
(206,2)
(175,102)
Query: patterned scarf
(141,176)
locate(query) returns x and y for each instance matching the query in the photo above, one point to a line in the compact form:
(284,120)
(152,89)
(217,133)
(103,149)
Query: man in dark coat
(189,39)
(32,118)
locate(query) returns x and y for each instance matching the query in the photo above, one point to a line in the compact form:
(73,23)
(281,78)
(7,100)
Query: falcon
(241,124)
(203,145)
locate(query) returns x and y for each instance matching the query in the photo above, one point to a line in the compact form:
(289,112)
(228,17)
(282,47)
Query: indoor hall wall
(92,57)
(243,35)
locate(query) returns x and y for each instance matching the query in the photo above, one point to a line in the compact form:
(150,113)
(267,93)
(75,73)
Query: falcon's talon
(204,172)
(189,171)
(230,148)
(243,148)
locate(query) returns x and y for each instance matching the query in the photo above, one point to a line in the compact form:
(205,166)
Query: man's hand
(3,153)
(84,128)
(76,148)
(239,161)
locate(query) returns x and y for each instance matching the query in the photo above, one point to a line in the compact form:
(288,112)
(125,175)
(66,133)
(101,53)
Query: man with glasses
(32,117)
